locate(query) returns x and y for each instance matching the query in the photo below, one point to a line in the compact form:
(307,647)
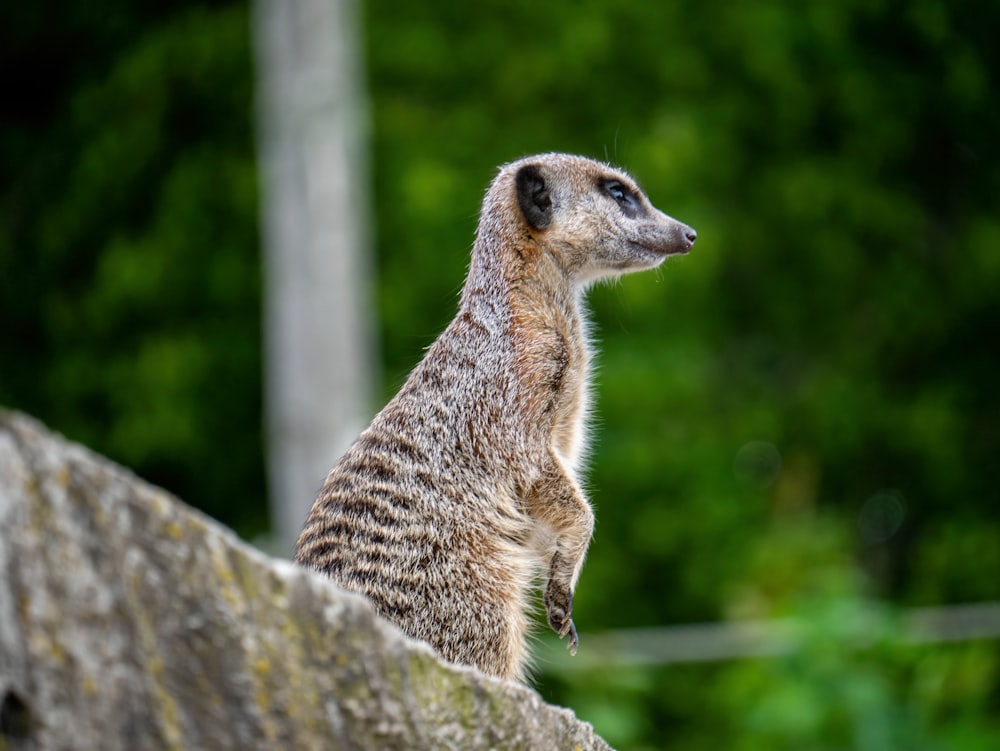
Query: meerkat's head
(592,217)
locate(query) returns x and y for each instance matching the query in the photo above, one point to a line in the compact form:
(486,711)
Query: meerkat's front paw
(559,610)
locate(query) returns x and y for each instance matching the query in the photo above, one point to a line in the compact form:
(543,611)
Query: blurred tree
(313,158)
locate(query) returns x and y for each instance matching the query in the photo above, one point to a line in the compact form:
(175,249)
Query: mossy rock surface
(130,621)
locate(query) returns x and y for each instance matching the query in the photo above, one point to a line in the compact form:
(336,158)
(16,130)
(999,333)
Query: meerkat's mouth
(661,251)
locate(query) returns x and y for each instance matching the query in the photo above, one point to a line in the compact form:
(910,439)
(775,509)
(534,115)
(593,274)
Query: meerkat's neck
(510,267)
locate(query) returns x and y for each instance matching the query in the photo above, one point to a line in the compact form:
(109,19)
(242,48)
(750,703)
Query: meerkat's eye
(615,190)
(624,197)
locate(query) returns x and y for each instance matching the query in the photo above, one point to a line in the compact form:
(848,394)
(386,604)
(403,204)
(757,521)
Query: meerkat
(465,488)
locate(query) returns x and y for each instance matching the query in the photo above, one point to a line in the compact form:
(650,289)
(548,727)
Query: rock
(130,621)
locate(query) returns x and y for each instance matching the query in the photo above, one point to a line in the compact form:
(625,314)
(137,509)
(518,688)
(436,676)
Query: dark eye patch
(623,196)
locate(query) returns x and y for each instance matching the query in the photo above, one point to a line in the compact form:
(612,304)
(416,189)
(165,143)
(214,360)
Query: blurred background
(798,423)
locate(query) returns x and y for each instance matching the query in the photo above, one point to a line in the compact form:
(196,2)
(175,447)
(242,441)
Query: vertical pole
(313,157)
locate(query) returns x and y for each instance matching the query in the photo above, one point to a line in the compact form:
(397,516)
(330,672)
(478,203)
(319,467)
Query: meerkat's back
(464,487)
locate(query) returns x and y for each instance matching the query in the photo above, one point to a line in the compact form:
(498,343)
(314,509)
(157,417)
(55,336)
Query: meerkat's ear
(533,196)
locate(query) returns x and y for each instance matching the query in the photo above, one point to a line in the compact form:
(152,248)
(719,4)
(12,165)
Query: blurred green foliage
(850,680)
(799,418)
(129,259)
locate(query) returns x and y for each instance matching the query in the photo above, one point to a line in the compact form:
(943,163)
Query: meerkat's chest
(570,430)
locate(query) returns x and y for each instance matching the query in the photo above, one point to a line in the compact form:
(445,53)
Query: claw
(574,640)
(559,609)
(566,626)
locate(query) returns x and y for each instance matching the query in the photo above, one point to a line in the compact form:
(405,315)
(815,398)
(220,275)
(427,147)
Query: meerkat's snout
(685,237)
(665,237)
